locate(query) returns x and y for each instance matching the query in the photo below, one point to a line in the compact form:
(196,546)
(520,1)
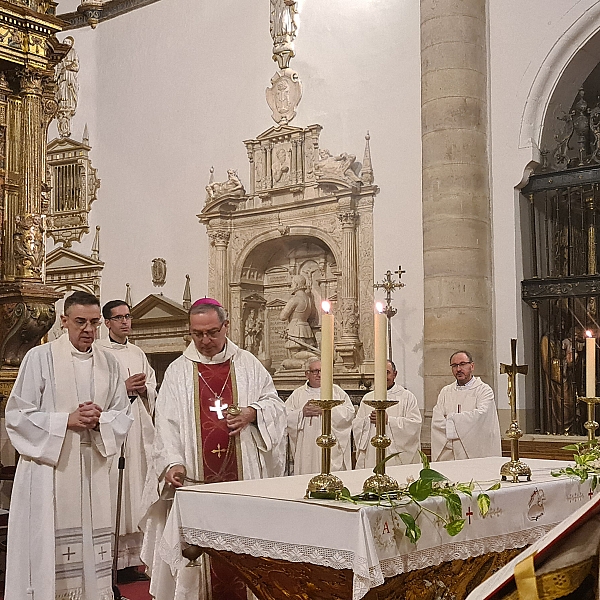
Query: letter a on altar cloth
(219,455)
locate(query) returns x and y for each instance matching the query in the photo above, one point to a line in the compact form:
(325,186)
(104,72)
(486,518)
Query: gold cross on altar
(512,371)
(218,450)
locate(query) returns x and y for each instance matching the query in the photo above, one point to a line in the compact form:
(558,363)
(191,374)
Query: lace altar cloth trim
(364,577)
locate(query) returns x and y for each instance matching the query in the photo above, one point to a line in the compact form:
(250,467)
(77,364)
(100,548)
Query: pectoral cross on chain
(512,370)
(218,408)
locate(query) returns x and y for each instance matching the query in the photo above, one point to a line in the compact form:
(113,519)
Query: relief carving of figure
(281,168)
(67,91)
(253,333)
(339,167)
(232,187)
(259,170)
(283,24)
(300,311)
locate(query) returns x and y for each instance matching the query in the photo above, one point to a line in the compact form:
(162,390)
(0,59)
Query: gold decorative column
(29,51)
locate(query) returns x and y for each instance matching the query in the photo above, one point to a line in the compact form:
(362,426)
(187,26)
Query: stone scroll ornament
(29,245)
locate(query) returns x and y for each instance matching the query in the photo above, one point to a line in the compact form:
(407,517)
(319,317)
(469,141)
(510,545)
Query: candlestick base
(514,469)
(591,424)
(324,486)
(380,484)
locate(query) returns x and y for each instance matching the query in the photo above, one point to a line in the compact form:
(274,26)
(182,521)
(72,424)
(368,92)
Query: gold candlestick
(591,424)
(325,485)
(514,468)
(380,483)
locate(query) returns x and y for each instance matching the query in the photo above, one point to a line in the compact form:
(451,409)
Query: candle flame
(589,333)
(379,307)
(326,306)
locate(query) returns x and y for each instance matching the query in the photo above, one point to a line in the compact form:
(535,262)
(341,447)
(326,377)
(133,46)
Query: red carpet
(135,591)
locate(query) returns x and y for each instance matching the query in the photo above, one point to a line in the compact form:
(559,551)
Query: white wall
(175,87)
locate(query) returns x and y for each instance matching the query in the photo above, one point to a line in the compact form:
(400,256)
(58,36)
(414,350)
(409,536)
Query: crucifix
(218,408)
(390,286)
(514,468)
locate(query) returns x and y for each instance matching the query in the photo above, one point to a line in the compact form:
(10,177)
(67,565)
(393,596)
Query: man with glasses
(140,383)
(304,424)
(465,423)
(67,415)
(218,418)
(403,426)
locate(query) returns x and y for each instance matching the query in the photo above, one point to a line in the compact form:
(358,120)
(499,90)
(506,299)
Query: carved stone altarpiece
(301,233)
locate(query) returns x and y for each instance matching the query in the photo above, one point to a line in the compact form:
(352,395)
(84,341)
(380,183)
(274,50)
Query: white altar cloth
(270,518)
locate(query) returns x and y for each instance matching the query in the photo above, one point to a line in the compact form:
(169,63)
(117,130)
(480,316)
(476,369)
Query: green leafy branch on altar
(587,463)
(430,484)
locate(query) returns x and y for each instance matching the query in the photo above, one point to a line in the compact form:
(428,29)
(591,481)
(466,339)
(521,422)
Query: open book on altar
(568,551)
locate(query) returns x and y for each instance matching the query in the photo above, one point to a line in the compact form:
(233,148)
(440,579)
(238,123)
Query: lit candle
(326,352)
(590,365)
(380,388)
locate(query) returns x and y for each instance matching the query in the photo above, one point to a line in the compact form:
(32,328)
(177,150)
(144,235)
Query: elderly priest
(464,423)
(218,418)
(67,415)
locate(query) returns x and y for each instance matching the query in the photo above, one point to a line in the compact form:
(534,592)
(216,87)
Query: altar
(276,538)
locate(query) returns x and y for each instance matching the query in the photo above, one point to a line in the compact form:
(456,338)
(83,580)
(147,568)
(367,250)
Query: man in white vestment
(304,424)
(464,423)
(140,383)
(67,415)
(218,418)
(403,426)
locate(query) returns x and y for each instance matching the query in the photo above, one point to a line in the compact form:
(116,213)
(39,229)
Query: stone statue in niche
(232,187)
(281,167)
(343,166)
(283,23)
(301,313)
(67,89)
(253,333)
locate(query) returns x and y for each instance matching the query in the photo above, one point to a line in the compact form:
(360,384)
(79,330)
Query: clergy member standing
(304,424)
(464,423)
(140,382)
(403,426)
(67,415)
(218,418)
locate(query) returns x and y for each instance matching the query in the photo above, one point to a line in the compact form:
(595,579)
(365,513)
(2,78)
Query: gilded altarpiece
(301,233)
(29,51)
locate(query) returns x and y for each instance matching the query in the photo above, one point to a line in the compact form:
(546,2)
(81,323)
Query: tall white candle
(327,324)
(380,388)
(590,365)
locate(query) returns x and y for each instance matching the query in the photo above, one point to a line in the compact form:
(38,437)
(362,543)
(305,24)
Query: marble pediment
(158,307)
(65,146)
(64,259)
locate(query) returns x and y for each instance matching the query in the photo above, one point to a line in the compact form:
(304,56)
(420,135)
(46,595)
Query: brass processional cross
(514,468)
(390,286)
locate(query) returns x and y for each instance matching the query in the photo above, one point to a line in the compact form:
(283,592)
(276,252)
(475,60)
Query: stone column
(456,196)
(219,238)
(348,292)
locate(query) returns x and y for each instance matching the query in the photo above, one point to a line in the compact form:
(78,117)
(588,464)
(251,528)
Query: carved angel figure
(233,186)
(67,91)
(339,167)
(283,24)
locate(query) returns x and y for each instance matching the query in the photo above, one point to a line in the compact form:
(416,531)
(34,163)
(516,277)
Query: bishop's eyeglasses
(212,334)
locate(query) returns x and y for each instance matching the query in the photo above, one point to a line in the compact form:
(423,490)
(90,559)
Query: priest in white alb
(464,423)
(218,418)
(403,426)
(140,383)
(304,424)
(67,415)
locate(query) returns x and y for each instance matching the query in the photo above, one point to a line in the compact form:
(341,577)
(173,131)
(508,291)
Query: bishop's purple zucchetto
(210,301)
